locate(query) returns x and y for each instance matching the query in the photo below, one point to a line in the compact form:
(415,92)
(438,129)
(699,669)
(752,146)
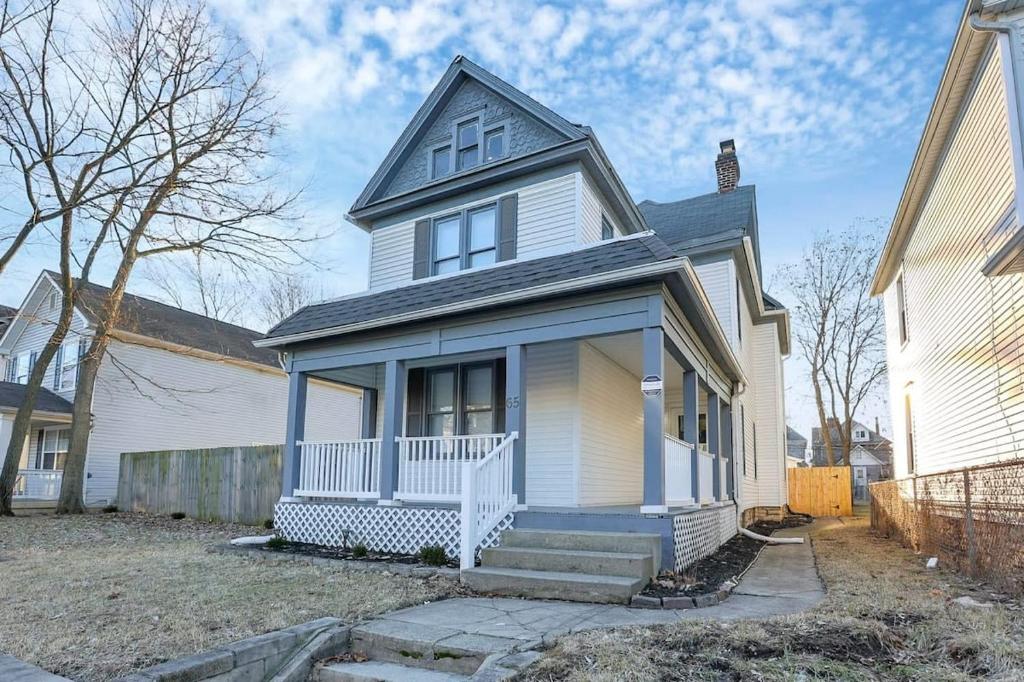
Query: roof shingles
(13,395)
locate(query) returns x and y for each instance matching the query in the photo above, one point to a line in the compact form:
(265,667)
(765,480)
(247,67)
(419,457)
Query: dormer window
(472,143)
(494,144)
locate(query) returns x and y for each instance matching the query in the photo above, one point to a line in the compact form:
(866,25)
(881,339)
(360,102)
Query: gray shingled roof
(604,258)
(706,219)
(156,320)
(13,395)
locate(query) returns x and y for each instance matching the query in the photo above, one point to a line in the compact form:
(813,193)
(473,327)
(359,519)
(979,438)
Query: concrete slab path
(783,580)
(14,670)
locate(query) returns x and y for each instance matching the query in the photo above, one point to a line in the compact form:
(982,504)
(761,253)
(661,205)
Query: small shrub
(269,524)
(359,551)
(110,509)
(433,555)
(277,542)
(178,515)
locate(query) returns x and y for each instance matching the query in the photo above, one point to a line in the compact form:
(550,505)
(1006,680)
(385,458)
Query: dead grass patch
(885,617)
(95,597)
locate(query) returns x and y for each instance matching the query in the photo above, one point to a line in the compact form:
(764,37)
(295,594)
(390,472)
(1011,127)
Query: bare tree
(193,180)
(839,328)
(278,299)
(193,283)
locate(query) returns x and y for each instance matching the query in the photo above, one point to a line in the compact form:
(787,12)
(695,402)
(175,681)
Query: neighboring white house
(950,271)
(172,379)
(589,363)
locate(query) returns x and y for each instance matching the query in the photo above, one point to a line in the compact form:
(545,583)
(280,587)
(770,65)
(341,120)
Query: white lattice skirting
(698,534)
(402,530)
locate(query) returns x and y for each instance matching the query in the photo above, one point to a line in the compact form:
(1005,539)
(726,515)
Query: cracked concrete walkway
(782,580)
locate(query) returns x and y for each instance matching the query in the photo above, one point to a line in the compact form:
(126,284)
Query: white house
(171,380)
(949,274)
(548,356)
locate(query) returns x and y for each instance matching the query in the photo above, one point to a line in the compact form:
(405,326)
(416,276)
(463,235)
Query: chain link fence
(972,519)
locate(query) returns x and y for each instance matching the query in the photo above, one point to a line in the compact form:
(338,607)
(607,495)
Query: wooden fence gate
(820,491)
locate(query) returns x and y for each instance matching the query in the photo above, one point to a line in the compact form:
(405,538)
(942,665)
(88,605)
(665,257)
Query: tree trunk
(72,486)
(23,420)
(826,433)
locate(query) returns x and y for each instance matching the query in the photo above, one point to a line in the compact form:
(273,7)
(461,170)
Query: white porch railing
(340,469)
(706,477)
(430,467)
(487,496)
(677,472)
(38,484)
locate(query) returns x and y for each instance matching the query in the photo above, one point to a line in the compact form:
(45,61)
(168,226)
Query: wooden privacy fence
(820,491)
(239,484)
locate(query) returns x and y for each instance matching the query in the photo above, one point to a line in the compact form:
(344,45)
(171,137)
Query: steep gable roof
(459,72)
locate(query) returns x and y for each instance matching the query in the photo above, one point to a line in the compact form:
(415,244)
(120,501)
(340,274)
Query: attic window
(607,231)
(494,144)
(53,300)
(441,162)
(467,142)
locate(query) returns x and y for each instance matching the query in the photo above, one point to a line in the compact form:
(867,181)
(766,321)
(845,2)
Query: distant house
(6,315)
(172,379)
(796,448)
(870,455)
(950,272)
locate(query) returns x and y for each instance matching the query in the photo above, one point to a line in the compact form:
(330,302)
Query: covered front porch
(588,424)
(44,450)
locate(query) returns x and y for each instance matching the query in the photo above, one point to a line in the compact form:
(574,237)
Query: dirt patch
(728,562)
(885,616)
(77,592)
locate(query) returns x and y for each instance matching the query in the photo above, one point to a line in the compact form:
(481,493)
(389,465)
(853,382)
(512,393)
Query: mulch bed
(345,554)
(729,561)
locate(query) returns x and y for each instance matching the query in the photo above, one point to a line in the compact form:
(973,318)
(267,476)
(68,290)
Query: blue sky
(825,99)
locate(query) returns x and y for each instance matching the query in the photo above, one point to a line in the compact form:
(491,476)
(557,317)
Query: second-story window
(607,231)
(465,240)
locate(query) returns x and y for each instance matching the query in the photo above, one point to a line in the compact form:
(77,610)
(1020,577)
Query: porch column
(690,433)
(654,424)
(369,421)
(715,443)
(294,432)
(727,450)
(394,415)
(515,415)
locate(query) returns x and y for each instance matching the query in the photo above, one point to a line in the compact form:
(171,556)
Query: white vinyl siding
(192,402)
(547,217)
(719,282)
(391,255)
(962,362)
(770,416)
(545,225)
(592,209)
(552,424)
(41,322)
(611,437)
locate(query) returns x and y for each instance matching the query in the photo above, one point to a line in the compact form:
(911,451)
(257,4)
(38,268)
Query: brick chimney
(727,167)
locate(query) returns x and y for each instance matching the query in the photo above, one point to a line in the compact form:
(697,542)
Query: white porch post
(715,444)
(294,432)
(515,415)
(394,415)
(690,433)
(654,424)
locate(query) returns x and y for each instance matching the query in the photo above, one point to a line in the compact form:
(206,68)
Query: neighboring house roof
(148,318)
(13,395)
(705,219)
(509,277)
(877,444)
(793,436)
(7,313)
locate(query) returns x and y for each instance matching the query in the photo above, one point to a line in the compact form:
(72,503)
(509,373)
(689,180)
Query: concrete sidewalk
(783,580)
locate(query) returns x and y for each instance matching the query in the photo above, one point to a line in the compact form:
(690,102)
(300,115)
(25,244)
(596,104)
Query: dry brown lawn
(94,597)
(885,617)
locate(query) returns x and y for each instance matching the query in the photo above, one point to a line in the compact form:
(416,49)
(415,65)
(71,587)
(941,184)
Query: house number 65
(512,402)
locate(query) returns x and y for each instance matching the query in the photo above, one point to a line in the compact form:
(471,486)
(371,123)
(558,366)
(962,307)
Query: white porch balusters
(340,469)
(677,472)
(487,496)
(430,467)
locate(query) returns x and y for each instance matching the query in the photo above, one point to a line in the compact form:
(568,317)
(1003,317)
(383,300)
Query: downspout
(1008,33)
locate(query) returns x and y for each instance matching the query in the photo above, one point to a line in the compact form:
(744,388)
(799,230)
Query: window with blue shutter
(58,363)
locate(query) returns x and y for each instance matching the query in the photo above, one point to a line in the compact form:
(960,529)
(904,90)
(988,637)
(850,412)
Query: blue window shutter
(507,214)
(57,360)
(39,448)
(421,257)
(32,361)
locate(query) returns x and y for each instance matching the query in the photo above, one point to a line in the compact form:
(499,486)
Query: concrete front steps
(412,652)
(585,566)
